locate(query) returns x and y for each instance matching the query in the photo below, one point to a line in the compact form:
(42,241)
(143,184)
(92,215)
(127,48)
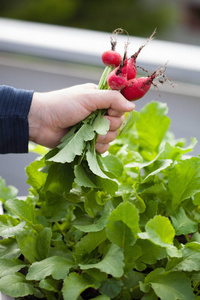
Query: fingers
(116,106)
(115,113)
(109,137)
(114,101)
(102,143)
(101,148)
(115,122)
(89,86)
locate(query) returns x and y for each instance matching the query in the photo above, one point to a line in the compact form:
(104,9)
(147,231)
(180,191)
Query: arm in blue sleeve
(14,108)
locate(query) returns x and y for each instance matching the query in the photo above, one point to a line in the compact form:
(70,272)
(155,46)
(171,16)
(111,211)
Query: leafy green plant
(132,233)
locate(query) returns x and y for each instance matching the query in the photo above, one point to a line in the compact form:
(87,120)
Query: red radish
(131,68)
(117,79)
(111,58)
(136,88)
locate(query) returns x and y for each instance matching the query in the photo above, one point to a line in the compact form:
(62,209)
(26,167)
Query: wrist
(34,117)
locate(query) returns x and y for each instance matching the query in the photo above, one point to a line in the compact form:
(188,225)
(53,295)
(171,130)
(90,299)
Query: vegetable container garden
(124,225)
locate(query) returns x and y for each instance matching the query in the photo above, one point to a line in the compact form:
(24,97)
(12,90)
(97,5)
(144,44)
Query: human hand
(53,113)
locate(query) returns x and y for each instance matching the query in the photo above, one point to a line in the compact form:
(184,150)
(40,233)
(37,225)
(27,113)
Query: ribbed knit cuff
(14,108)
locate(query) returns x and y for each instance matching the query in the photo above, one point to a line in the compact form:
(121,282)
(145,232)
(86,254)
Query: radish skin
(111,58)
(131,68)
(136,88)
(117,79)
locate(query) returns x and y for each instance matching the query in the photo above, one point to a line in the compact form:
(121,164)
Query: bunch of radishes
(123,76)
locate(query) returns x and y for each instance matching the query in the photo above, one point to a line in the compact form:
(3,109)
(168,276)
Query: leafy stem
(103,85)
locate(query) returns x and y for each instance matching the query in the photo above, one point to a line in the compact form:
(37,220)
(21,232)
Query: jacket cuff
(14,108)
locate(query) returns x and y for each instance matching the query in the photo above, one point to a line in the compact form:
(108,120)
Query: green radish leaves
(77,152)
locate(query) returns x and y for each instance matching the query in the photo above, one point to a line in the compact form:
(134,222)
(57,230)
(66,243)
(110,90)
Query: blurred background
(52,44)
(176,20)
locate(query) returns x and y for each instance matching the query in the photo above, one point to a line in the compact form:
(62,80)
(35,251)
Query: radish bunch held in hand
(123,71)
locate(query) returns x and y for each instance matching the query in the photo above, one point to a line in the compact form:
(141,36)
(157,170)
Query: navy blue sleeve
(14,108)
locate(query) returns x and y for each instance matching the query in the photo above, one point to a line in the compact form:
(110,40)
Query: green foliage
(45,11)
(138,17)
(166,285)
(18,285)
(103,243)
(6,192)
(122,226)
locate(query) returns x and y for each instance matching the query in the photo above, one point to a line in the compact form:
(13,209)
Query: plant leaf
(49,284)
(171,286)
(23,209)
(111,287)
(9,248)
(90,241)
(112,263)
(113,164)
(152,125)
(101,124)
(95,226)
(75,145)
(150,253)
(7,192)
(27,241)
(184,180)
(54,208)
(175,152)
(75,284)
(36,178)
(159,230)
(59,179)
(131,282)
(190,260)
(130,119)
(57,267)
(182,223)
(8,266)
(108,185)
(43,243)
(93,163)
(102,297)
(18,286)
(158,166)
(132,196)
(123,225)
(82,177)
(10,226)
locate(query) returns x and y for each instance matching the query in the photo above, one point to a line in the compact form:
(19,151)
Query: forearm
(14,109)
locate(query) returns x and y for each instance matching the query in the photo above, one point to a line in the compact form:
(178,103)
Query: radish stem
(103,80)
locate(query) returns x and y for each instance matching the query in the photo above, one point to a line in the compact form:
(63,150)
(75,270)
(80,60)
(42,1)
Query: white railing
(86,46)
